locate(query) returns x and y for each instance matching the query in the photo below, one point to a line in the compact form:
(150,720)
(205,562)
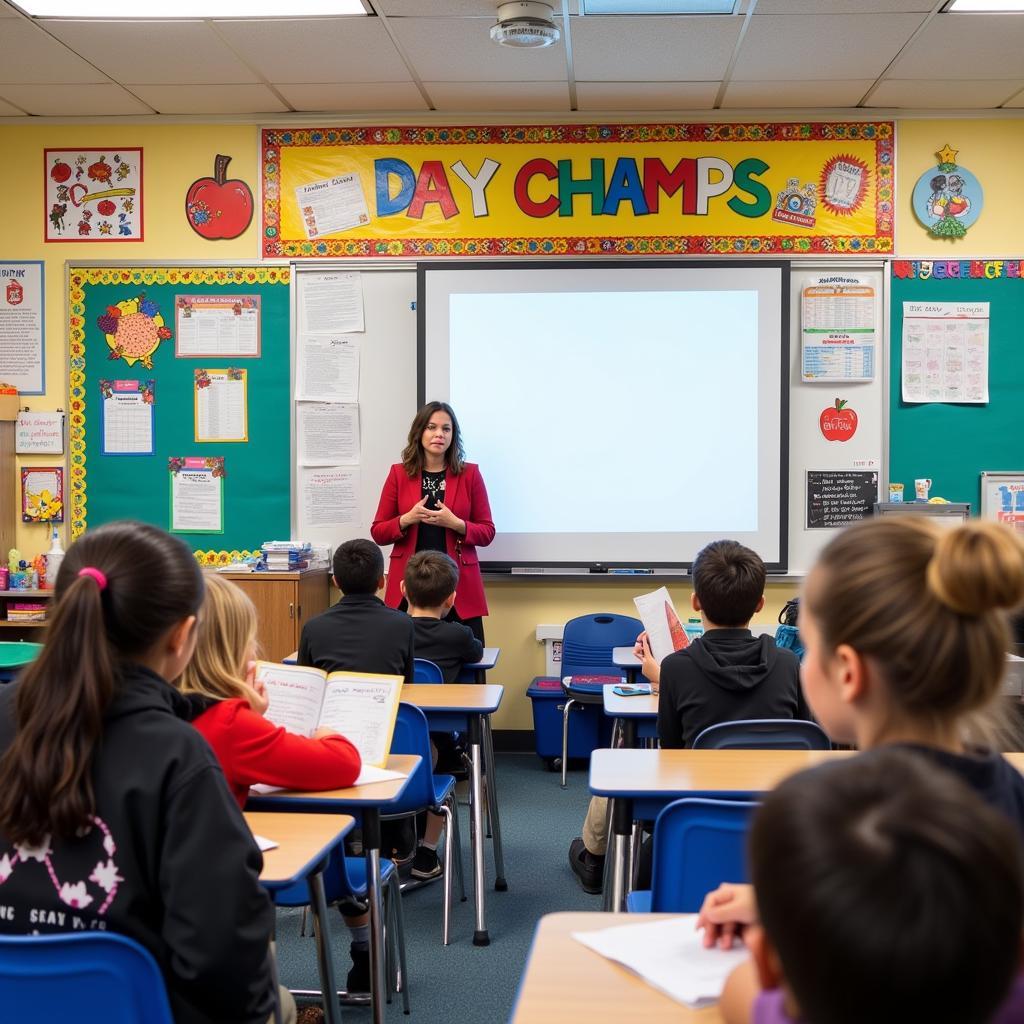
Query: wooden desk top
(634,773)
(564,980)
(629,707)
(454,696)
(376,793)
(302,841)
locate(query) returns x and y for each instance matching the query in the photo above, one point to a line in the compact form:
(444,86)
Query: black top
(725,676)
(449,645)
(359,634)
(169,862)
(430,537)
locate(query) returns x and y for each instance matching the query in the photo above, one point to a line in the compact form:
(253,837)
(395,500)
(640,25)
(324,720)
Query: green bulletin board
(953,444)
(257,472)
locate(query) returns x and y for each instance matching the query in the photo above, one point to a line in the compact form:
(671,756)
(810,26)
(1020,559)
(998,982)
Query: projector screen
(622,416)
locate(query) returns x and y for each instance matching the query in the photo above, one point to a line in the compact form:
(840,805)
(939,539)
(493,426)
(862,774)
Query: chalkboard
(837,497)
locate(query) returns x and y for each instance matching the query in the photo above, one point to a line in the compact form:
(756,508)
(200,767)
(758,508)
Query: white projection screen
(622,415)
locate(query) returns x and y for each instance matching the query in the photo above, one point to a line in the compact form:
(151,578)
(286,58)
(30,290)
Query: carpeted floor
(462,982)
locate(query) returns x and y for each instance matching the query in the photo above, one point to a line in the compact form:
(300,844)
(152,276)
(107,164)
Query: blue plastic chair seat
(639,901)
(344,876)
(763,734)
(426,671)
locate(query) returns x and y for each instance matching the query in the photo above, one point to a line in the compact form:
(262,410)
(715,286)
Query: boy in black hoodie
(725,676)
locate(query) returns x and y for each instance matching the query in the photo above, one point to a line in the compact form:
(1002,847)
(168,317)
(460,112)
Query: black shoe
(426,864)
(358,979)
(587,867)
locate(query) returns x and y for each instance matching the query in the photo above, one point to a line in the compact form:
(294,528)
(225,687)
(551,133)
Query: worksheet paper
(330,302)
(217,325)
(221,405)
(670,956)
(332,205)
(327,368)
(327,434)
(368,776)
(945,352)
(837,326)
(197,500)
(664,630)
(127,413)
(328,496)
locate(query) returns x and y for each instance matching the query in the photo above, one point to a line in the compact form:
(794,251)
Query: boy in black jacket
(726,675)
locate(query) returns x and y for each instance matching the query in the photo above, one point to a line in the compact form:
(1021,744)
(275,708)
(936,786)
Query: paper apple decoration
(60,171)
(837,422)
(219,207)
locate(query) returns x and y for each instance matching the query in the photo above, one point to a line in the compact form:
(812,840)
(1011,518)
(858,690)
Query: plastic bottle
(54,557)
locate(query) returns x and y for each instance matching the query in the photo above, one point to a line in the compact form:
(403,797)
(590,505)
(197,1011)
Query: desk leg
(500,884)
(480,936)
(629,733)
(325,960)
(371,844)
(622,826)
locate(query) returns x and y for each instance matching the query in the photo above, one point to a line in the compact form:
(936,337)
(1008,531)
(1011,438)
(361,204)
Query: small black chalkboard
(838,497)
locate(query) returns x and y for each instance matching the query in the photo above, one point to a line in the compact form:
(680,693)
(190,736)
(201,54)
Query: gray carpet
(474,985)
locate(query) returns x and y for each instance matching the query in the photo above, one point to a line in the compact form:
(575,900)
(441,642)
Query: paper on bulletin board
(945,352)
(221,411)
(21,326)
(39,433)
(328,496)
(837,329)
(334,204)
(327,368)
(197,495)
(128,411)
(216,325)
(327,434)
(331,303)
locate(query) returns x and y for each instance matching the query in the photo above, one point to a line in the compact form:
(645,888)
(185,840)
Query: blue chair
(587,643)
(698,844)
(89,978)
(763,734)
(424,671)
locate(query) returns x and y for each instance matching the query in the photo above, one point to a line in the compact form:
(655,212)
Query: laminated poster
(128,412)
(221,409)
(217,325)
(21,326)
(837,329)
(197,494)
(93,195)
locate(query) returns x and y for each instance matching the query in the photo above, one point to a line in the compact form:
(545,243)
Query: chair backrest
(83,977)
(698,844)
(763,734)
(412,736)
(425,671)
(587,643)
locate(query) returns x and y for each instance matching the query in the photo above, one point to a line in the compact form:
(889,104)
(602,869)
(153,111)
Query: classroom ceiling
(418,56)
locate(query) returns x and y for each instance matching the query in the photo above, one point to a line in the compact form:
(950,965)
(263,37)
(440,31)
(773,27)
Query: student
(359,633)
(726,675)
(902,899)
(905,628)
(113,811)
(250,748)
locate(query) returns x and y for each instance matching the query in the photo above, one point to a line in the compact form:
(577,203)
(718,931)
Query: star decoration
(947,154)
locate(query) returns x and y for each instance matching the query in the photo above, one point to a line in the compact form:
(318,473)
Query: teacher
(433,500)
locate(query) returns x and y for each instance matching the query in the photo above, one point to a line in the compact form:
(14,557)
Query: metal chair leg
(399,927)
(449,867)
(565,737)
(457,840)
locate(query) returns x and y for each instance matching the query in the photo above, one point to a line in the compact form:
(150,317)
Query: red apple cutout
(837,422)
(219,207)
(60,172)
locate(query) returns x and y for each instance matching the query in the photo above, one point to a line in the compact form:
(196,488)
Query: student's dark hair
(412,454)
(358,567)
(430,579)
(153,582)
(889,891)
(728,580)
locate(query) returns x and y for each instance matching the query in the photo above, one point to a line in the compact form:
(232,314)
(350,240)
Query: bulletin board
(954,444)
(256,473)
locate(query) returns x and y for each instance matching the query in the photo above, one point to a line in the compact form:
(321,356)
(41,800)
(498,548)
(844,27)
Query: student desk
(478,670)
(564,980)
(467,707)
(624,658)
(366,802)
(637,716)
(641,782)
(304,843)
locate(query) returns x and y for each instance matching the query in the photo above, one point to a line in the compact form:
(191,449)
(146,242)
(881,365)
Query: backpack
(787,635)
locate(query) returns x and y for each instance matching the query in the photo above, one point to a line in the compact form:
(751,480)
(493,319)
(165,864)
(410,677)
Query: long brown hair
(153,583)
(412,454)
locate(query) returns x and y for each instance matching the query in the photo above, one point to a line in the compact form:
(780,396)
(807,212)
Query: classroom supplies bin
(15,655)
(589,726)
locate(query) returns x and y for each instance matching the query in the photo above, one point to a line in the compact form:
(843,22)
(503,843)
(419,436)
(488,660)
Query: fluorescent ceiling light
(658,6)
(983,7)
(132,10)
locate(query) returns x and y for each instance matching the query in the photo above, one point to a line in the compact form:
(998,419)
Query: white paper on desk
(670,956)
(264,843)
(327,434)
(664,630)
(368,775)
(327,368)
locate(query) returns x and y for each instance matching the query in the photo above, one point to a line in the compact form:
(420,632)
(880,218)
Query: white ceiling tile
(6,110)
(353,97)
(445,8)
(317,50)
(74,100)
(819,47)
(965,46)
(28,55)
(202,99)
(943,94)
(652,49)
(806,95)
(674,96)
(498,96)
(171,52)
(843,7)
(461,50)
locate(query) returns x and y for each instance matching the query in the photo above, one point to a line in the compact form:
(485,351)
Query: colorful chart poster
(197,495)
(328,496)
(217,325)
(327,368)
(21,326)
(93,195)
(837,328)
(221,406)
(128,409)
(945,352)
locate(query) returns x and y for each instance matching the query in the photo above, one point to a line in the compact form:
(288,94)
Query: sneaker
(426,864)
(358,979)
(587,867)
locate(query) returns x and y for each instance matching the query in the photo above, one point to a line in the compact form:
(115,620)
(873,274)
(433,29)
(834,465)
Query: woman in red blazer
(433,500)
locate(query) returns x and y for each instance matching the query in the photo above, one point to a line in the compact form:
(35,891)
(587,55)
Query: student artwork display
(22,315)
(134,329)
(221,405)
(837,329)
(42,494)
(947,200)
(128,410)
(197,494)
(945,352)
(219,207)
(93,195)
(838,422)
(217,325)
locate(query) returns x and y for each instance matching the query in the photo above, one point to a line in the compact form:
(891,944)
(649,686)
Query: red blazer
(466,496)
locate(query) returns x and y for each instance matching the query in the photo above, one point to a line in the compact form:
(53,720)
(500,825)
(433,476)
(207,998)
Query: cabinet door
(314,598)
(277,612)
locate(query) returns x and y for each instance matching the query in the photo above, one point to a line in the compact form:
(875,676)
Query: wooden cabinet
(284,602)
(21,630)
